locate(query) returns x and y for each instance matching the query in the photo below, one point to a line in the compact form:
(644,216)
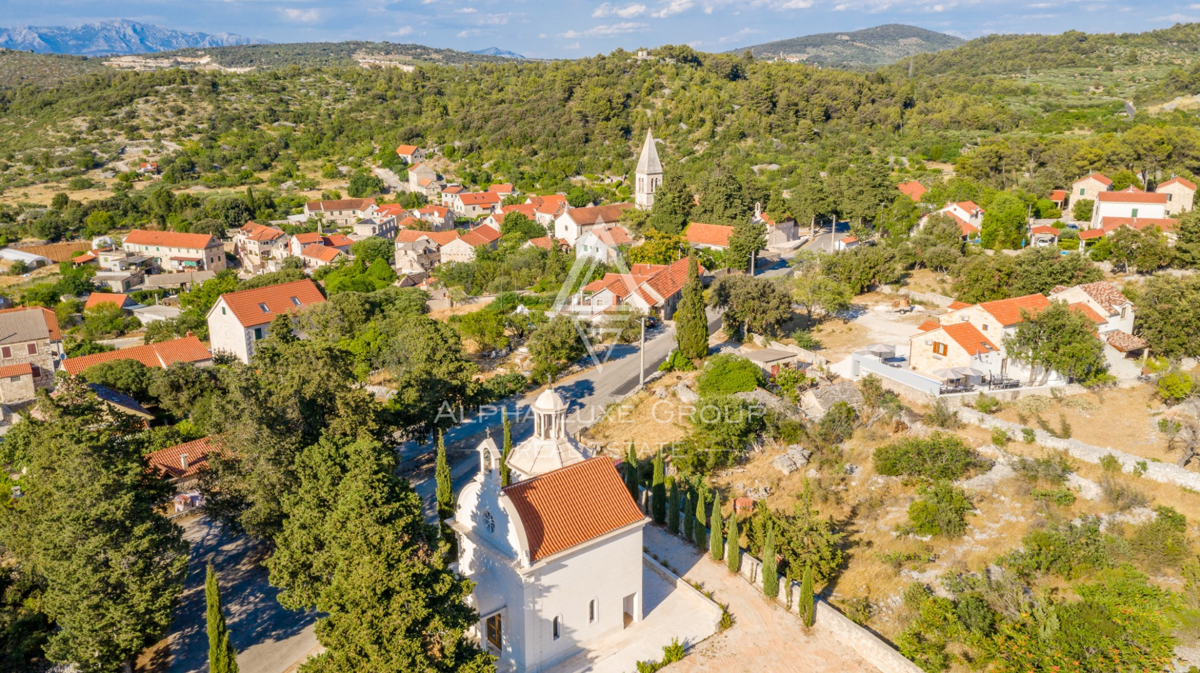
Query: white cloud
(738,35)
(404,30)
(1178,18)
(471,32)
(624,11)
(465,10)
(609,30)
(674,7)
(301,15)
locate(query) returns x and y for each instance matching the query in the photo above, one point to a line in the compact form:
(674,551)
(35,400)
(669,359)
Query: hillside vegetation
(328,54)
(876,46)
(19,68)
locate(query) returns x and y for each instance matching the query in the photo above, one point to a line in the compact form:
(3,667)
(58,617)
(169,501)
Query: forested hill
(325,54)
(876,46)
(1011,54)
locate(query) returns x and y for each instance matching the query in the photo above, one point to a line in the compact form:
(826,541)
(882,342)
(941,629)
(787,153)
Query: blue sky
(572,28)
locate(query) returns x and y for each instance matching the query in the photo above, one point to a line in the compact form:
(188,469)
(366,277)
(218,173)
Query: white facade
(1137,205)
(225,332)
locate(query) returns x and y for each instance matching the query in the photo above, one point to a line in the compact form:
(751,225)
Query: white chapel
(556,556)
(649,174)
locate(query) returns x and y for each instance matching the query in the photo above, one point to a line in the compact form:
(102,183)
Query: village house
(546,243)
(650,288)
(1115,311)
(259,247)
(240,319)
(182,464)
(577,221)
(299,242)
(497,218)
(121,301)
(415,253)
(913,190)
(1089,187)
(173,251)
(316,255)
(1059,198)
(782,234)
(968,216)
(424,180)
(1181,195)
(555,557)
(548,208)
(31,345)
(148,168)
(708,236)
(846,243)
(1132,204)
(474,204)
(440,218)
(340,213)
(161,354)
(411,154)
(502,190)
(602,244)
(381,226)
(450,192)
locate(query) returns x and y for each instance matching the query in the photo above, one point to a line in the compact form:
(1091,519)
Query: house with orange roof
(913,189)
(182,464)
(555,558)
(503,190)
(1043,236)
(424,180)
(548,208)
(416,252)
(161,354)
(575,222)
(951,345)
(340,212)
(121,301)
(173,251)
(411,154)
(1104,300)
(710,236)
(259,247)
(316,255)
(440,218)
(602,244)
(650,288)
(967,214)
(847,243)
(781,234)
(383,226)
(238,320)
(1181,194)
(30,339)
(1133,205)
(1089,187)
(474,204)
(299,242)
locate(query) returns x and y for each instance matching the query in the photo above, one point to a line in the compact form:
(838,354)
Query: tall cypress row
(631,474)
(716,543)
(689,517)
(445,487)
(221,656)
(733,550)
(673,507)
(770,571)
(700,530)
(808,605)
(658,491)
(505,474)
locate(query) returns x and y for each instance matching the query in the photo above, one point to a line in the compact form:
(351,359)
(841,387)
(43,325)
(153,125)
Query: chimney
(189,333)
(183,461)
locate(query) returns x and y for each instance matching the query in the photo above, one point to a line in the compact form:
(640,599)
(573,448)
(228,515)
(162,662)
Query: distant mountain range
(496,51)
(869,47)
(112,37)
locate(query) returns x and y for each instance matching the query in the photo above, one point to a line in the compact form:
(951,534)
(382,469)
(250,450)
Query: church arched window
(557,627)
(489,522)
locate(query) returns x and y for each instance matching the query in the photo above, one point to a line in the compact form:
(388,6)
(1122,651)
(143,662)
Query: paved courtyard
(764,636)
(668,612)
(268,638)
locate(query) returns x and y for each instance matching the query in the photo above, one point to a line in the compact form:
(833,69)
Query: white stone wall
(226,334)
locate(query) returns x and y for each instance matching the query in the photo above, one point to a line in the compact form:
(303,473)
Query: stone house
(173,251)
(30,336)
(240,319)
(1181,195)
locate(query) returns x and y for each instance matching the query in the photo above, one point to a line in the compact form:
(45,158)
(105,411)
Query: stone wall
(939,300)
(1166,473)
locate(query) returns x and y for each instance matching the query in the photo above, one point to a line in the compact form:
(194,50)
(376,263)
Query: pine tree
(689,517)
(505,474)
(716,543)
(807,605)
(673,507)
(770,571)
(445,488)
(733,550)
(222,658)
(672,204)
(658,491)
(700,529)
(691,322)
(631,474)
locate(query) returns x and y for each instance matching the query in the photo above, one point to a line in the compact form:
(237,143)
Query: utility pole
(642,356)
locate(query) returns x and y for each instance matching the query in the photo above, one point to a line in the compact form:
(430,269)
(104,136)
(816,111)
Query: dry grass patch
(650,422)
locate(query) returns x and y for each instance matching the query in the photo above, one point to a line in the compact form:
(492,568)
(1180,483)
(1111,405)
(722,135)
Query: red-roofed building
(183,463)
(173,251)
(547,209)
(968,216)
(602,243)
(1059,198)
(316,255)
(121,301)
(1043,236)
(474,204)
(913,190)
(577,221)
(411,154)
(1181,195)
(651,288)
(846,243)
(1104,300)
(440,218)
(711,236)
(951,345)
(502,190)
(239,319)
(340,212)
(340,242)
(161,355)
(259,248)
(301,241)
(30,336)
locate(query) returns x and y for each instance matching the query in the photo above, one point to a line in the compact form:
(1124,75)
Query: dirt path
(764,636)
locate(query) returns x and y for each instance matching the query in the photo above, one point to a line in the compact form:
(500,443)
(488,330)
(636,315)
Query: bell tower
(649,174)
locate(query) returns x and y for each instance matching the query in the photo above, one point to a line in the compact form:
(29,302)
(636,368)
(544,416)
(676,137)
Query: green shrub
(676,363)
(728,374)
(1052,469)
(1069,551)
(673,652)
(1110,464)
(940,456)
(941,510)
(1175,386)
(1162,542)
(1063,497)
(1120,494)
(837,425)
(1028,435)
(806,340)
(986,404)
(942,416)
(1000,437)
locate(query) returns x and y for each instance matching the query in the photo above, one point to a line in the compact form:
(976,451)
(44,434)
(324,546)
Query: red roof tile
(1124,341)
(97,298)
(1044,229)
(23,369)
(161,354)
(337,240)
(321,252)
(955,305)
(85,257)
(49,316)
(308,238)
(260,232)
(542,242)
(573,505)
(969,337)
(502,188)
(1088,311)
(487,233)
(340,204)
(247,304)
(914,189)
(606,214)
(1058,195)
(1131,197)
(406,149)
(929,325)
(1111,224)
(479,199)
(1008,311)
(1098,177)
(170,239)
(169,462)
(716,235)
(1179,181)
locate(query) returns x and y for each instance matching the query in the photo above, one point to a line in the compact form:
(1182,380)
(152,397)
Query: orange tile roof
(612,236)
(526,209)
(1111,224)
(598,214)
(406,149)
(969,337)
(1098,177)
(542,242)
(929,325)
(340,204)
(409,222)
(552,204)
(1106,294)
(486,232)
(502,188)
(1044,229)
(161,354)
(1179,181)
(86,257)
(49,316)
(410,235)
(453,189)
(23,369)
(277,298)
(849,239)
(390,210)
(1058,194)
(1124,341)
(337,240)
(479,199)
(168,462)
(97,298)
(308,237)
(261,232)
(914,190)
(1131,197)
(321,252)
(440,211)
(955,305)
(966,227)
(573,505)
(170,239)
(1008,311)
(1088,311)
(708,234)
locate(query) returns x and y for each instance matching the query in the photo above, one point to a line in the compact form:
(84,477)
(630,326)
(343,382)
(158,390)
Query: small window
(939,348)
(1081,191)
(258,333)
(1123,309)
(495,631)
(32,349)
(264,308)
(295,301)
(17,379)
(985,327)
(6,352)
(592,611)
(489,522)
(222,310)
(1134,212)
(556,630)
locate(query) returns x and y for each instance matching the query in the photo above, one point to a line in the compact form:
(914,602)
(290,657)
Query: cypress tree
(733,550)
(691,322)
(689,518)
(807,605)
(445,488)
(673,507)
(701,538)
(505,475)
(716,543)
(658,491)
(631,474)
(221,656)
(770,572)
